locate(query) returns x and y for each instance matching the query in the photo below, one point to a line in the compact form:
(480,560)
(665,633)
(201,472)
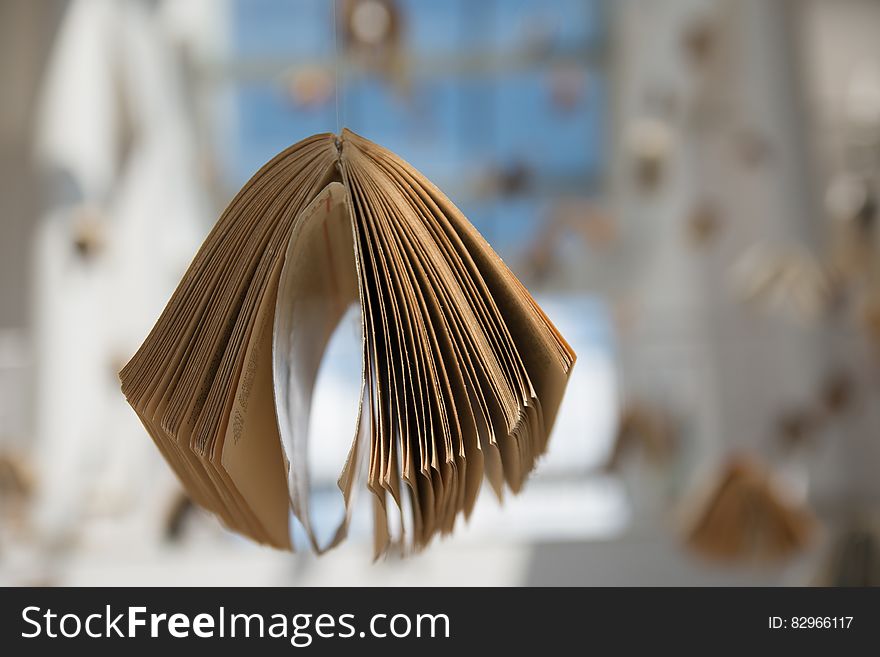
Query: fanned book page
(462,372)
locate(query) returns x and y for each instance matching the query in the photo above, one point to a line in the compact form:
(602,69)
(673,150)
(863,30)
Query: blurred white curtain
(113,126)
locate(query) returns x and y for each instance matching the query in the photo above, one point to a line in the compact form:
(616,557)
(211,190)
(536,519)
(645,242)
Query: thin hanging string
(337,57)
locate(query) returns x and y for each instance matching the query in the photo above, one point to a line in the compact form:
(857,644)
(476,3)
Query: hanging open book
(462,372)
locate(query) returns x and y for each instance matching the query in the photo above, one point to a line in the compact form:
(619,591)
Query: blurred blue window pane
(280,27)
(268,121)
(420,126)
(556,142)
(457,116)
(490,89)
(560,24)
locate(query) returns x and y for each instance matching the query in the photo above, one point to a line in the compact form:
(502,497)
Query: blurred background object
(854,558)
(747,516)
(689,188)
